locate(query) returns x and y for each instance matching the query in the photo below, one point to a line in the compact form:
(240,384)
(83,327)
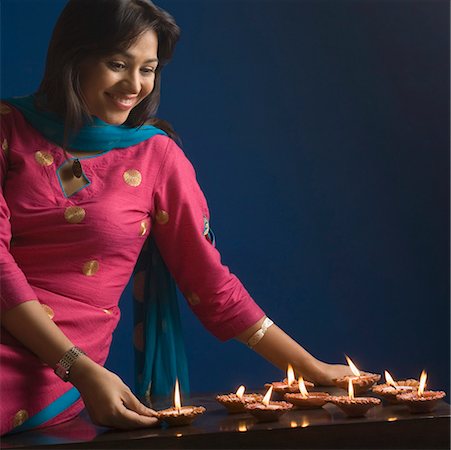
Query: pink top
(76,254)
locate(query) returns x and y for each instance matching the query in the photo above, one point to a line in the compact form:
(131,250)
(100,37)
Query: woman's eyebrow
(131,56)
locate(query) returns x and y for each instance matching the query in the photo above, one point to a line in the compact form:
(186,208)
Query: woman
(88,174)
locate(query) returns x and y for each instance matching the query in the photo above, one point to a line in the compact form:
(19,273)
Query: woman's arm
(280,349)
(108,400)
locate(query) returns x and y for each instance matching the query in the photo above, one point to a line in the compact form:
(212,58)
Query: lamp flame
(354,369)
(350,389)
(302,388)
(423,378)
(290,375)
(177,402)
(390,380)
(240,391)
(267,396)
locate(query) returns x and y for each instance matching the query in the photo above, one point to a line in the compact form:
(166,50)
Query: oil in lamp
(289,384)
(179,415)
(267,411)
(391,388)
(421,401)
(362,381)
(306,400)
(235,402)
(354,406)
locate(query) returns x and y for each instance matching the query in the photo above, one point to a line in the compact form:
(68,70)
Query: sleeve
(184,239)
(14,287)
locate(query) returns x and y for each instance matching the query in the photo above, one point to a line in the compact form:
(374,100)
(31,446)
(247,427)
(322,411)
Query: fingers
(129,420)
(133,404)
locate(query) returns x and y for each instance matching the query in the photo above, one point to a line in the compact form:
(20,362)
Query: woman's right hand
(108,400)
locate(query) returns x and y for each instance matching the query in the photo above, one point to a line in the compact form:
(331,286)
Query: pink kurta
(76,254)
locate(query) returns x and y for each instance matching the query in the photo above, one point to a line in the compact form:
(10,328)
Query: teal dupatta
(162,358)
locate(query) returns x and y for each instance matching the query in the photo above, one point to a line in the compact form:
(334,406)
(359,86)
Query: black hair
(98,28)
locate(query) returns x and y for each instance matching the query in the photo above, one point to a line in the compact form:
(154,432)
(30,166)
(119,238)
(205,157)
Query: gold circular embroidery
(133,177)
(138,337)
(162,217)
(4,109)
(74,214)
(43,158)
(138,286)
(5,146)
(143,228)
(48,310)
(20,417)
(107,311)
(90,268)
(193,298)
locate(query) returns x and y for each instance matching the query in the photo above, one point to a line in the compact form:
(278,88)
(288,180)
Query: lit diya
(267,411)
(354,406)
(391,388)
(289,384)
(235,402)
(361,381)
(179,415)
(307,400)
(421,401)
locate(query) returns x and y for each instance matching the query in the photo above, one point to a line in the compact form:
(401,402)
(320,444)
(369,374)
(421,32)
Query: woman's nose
(133,82)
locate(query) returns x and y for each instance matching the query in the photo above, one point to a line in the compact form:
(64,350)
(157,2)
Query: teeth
(123,100)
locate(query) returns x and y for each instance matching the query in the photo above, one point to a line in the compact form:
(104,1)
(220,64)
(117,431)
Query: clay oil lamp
(306,400)
(354,406)
(421,401)
(235,402)
(361,381)
(391,388)
(267,411)
(289,384)
(179,415)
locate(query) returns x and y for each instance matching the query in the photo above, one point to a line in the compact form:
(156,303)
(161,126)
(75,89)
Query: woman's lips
(122,102)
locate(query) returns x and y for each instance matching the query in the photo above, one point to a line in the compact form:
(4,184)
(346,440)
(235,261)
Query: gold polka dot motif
(74,214)
(132,177)
(90,268)
(5,146)
(193,298)
(4,109)
(43,158)
(48,310)
(144,225)
(162,217)
(138,286)
(20,417)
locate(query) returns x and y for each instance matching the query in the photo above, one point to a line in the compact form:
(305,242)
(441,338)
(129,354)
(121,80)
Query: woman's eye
(148,70)
(115,65)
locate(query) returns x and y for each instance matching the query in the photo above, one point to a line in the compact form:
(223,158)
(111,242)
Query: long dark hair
(98,28)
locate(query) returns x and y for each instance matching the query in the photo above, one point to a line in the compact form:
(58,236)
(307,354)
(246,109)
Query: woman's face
(113,86)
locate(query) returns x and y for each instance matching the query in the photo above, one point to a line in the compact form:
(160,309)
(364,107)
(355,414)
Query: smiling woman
(73,232)
(113,86)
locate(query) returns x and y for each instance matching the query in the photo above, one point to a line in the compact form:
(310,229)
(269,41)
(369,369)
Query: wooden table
(384,427)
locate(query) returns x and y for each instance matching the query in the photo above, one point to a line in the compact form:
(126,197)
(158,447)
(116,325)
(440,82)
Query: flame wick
(423,378)
(350,389)
(390,380)
(240,391)
(354,369)
(267,396)
(177,402)
(302,388)
(290,375)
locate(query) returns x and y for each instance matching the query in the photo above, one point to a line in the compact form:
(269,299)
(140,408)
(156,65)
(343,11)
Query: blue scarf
(163,358)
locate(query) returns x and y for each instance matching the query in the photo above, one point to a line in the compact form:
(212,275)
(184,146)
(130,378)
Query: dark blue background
(320,135)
